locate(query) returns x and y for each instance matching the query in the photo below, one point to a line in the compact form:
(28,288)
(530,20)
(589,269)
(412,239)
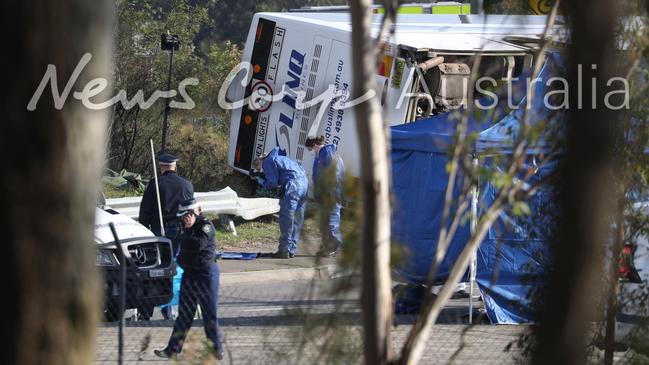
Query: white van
(425,70)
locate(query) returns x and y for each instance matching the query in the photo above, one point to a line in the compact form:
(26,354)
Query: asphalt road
(276,303)
(306,322)
(300,322)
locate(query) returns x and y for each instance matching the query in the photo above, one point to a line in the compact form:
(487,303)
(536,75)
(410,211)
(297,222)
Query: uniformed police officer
(200,282)
(173,190)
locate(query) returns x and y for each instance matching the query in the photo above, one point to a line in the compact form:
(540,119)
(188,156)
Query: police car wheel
(110,313)
(145,313)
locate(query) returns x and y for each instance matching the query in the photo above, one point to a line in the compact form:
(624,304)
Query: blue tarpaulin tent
(419,158)
(512,255)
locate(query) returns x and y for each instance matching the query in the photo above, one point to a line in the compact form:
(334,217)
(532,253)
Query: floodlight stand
(165,125)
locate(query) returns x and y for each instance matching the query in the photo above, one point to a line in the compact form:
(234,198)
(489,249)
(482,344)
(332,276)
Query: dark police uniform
(199,285)
(173,190)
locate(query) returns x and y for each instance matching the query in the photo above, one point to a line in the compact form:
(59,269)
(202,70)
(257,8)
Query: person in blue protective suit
(289,176)
(174,189)
(328,173)
(200,282)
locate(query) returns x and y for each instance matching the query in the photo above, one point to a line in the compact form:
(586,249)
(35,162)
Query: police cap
(187,206)
(167,159)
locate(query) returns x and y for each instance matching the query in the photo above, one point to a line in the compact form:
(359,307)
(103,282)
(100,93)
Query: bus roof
(457,33)
(433,7)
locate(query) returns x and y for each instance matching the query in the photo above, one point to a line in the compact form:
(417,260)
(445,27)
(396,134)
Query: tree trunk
(585,191)
(49,182)
(376,298)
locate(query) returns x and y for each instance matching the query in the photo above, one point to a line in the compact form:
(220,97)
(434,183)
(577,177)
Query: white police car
(150,268)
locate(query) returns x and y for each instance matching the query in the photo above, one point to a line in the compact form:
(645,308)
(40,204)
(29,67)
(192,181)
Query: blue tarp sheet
(234,255)
(513,256)
(499,138)
(419,159)
(176,287)
(419,177)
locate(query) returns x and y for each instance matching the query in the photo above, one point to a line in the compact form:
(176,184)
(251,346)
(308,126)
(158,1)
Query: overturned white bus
(424,70)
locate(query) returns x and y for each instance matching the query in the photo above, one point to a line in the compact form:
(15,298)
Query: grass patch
(256,231)
(260,235)
(112,192)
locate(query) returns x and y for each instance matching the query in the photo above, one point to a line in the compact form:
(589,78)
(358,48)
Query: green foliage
(631,173)
(507,7)
(202,150)
(501,180)
(520,208)
(233,17)
(139,62)
(199,136)
(111,192)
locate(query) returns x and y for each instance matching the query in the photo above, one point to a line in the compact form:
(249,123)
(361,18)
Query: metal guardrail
(224,201)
